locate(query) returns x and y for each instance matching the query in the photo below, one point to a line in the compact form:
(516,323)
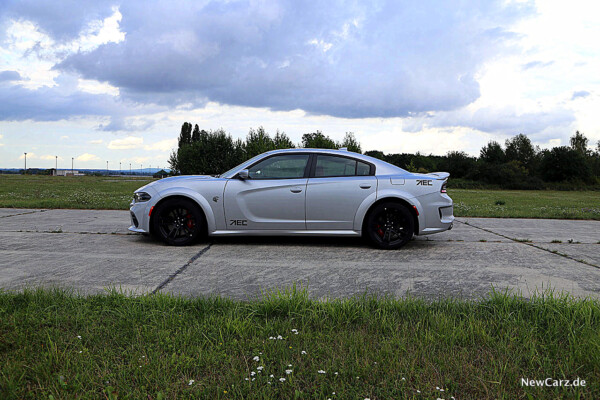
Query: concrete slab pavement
(89,250)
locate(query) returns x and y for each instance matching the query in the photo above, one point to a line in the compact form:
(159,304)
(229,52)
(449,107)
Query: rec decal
(424,182)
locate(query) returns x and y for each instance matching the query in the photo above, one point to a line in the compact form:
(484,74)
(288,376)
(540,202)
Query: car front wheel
(178,222)
(389,226)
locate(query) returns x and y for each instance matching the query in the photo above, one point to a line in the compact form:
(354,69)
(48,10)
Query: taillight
(443,190)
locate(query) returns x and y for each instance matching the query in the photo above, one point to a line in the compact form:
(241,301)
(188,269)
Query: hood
(180,178)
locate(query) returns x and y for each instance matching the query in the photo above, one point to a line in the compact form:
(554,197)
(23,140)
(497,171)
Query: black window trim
(313,166)
(299,153)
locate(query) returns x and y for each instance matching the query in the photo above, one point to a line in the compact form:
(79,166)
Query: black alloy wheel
(178,222)
(390,226)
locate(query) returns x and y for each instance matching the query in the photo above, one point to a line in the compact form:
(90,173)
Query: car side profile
(297,192)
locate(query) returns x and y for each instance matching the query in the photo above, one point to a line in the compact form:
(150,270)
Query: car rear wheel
(178,222)
(389,226)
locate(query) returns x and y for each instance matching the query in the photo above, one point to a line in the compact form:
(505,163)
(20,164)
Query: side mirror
(243,174)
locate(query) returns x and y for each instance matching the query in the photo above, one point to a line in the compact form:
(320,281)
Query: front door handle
(296,190)
(365,186)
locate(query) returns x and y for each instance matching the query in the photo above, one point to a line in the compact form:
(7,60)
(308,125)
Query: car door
(336,188)
(272,197)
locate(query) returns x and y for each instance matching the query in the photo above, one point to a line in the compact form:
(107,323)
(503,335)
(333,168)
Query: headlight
(140,197)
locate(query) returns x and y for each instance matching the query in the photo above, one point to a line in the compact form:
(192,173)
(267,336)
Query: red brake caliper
(190,221)
(379,230)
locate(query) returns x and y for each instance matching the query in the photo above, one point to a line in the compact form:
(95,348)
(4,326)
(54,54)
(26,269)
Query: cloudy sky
(114,80)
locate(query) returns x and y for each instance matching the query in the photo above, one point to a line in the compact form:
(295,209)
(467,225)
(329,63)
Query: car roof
(381,167)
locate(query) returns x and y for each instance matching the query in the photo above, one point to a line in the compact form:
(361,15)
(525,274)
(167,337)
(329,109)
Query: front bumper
(140,220)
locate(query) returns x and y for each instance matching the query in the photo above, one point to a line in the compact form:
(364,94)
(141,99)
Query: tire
(389,226)
(178,222)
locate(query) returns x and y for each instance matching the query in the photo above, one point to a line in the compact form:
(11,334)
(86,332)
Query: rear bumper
(438,213)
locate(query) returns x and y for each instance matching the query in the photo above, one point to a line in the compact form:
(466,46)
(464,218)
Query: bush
(563,163)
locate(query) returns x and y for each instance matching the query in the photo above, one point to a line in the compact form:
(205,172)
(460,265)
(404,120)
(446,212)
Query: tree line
(214,152)
(516,165)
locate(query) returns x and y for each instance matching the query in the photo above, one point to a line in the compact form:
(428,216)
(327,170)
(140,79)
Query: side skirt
(283,232)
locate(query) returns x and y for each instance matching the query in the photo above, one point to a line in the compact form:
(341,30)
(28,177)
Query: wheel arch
(174,196)
(413,209)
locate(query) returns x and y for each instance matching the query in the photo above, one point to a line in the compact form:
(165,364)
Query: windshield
(250,161)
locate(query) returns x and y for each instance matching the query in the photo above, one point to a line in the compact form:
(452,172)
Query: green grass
(526,203)
(92,192)
(57,345)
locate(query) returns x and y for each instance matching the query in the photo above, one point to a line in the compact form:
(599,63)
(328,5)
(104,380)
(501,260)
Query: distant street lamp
(119,167)
(72,160)
(129,168)
(107,168)
(56,163)
(25,163)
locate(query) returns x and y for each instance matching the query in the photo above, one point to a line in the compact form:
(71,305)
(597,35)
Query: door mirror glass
(243,174)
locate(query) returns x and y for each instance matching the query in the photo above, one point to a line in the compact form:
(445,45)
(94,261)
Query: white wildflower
(289,365)
(281,379)
(252,373)
(256,358)
(321,371)
(191,382)
(288,371)
(302,352)
(78,337)
(279,337)
(295,331)
(260,368)
(271,376)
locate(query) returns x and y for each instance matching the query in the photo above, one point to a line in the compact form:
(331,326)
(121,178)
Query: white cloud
(163,145)
(140,160)
(50,157)
(29,156)
(97,141)
(130,142)
(64,137)
(85,157)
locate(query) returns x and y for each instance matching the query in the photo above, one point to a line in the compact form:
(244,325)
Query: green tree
(317,140)
(351,143)
(375,154)
(579,143)
(258,141)
(520,148)
(564,163)
(492,153)
(185,136)
(282,141)
(458,163)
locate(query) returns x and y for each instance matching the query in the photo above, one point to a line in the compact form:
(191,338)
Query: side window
(335,166)
(280,167)
(363,169)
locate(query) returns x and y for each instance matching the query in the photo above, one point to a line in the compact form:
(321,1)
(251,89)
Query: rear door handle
(365,186)
(296,190)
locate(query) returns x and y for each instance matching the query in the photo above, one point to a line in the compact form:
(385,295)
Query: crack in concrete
(181,269)
(24,213)
(516,240)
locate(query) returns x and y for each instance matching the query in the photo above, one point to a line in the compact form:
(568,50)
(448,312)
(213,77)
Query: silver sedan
(297,192)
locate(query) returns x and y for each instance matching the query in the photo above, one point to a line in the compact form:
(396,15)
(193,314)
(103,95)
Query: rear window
(330,166)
